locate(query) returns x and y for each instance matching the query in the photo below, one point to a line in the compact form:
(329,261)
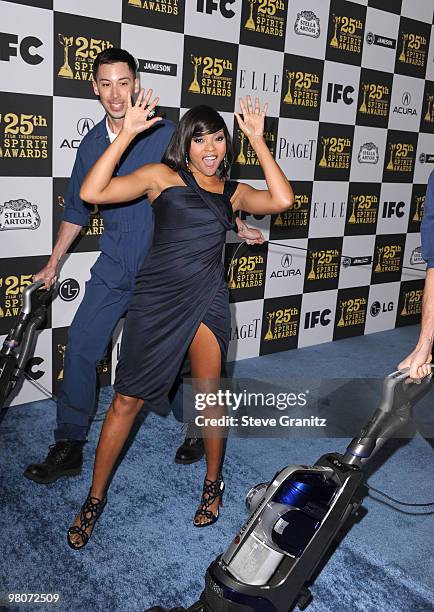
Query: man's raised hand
(137,116)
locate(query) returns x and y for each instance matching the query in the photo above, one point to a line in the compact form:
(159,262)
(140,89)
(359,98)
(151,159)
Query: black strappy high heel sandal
(212,489)
(90,512)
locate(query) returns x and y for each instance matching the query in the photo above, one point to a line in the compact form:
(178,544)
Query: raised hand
(252,123)
(137,116)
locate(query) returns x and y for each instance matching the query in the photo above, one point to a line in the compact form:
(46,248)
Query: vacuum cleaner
(19,342)
(294,519)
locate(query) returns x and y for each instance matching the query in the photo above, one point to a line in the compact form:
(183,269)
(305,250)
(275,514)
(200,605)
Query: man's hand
(48,275)
(137,118)
(250,235)
(418,361)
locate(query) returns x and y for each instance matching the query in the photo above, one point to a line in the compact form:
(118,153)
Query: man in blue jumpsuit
(420,358)
(124,244)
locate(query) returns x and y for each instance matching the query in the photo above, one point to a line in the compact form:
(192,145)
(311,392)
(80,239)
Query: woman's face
(207,152)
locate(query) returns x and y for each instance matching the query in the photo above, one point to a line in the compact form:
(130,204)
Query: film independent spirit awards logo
(19,214)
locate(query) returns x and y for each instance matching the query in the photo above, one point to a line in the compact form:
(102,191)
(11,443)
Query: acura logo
(406,98)
(286,260)
(84,125)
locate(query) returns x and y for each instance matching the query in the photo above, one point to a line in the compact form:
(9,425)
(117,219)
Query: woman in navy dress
(180,303)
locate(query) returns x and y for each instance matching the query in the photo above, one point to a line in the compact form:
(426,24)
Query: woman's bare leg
(117,425)
(205,357)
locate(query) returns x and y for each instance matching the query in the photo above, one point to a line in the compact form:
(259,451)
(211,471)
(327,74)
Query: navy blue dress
(180,285)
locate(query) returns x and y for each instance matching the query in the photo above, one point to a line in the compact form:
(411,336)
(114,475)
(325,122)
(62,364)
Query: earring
(225,164)
(186,160)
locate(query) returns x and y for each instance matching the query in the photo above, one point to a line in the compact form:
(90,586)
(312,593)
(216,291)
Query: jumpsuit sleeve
(76,210)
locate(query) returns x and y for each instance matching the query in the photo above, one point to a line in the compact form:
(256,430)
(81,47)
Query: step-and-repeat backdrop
(350,87)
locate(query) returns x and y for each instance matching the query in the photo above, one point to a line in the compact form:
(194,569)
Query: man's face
(113,84)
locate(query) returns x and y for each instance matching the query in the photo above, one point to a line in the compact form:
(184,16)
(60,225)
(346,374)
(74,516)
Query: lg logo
(312,319)
(336,92)
(69,289)
(391,209)
(9,48)
(377,308)
(209,6)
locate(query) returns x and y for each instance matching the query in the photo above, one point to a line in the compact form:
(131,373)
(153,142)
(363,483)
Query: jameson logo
(307,24)
(347,34)
(428,117)
(401,157)
(375,100)
(364,209)
(336,153)
(170,7)
(21,136)
(267,17)
(281,323)
(79,53)
(388,258)
(11,288)
(19,214)
(247,155)
(351,312)
(324,264)
(246,272)
(413,49)
(296,217)
(368,153)
(303,89)
(210,76)
(412,303)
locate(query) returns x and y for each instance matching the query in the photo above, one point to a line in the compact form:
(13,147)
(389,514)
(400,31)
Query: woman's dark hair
(198,121)
(113,56)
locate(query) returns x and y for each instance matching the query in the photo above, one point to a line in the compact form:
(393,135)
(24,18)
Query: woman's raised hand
(252,123)
(137,116)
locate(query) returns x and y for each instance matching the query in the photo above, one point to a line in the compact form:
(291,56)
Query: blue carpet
(145,549)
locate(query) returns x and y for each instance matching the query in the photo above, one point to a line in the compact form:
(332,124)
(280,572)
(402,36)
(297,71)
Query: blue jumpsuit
(125,242)
(427,227)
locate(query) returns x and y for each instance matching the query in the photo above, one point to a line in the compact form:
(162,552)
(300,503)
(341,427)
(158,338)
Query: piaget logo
(170,7)
(368,153)
(307,24)
(412,303)
(267,17)
(19,214)
(324,264)
(336,153)
(388,258)
(212,76)
(247,155)
(352,312)
(297,216)
(401,157)
(364,209)
(13,288)
(79,53)
(246,272)
(347,34)
(413,49)
(282,323)
(19,137)
(303,89)
(376,99)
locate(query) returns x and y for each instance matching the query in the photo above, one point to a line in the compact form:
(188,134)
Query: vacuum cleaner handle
(399,394)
